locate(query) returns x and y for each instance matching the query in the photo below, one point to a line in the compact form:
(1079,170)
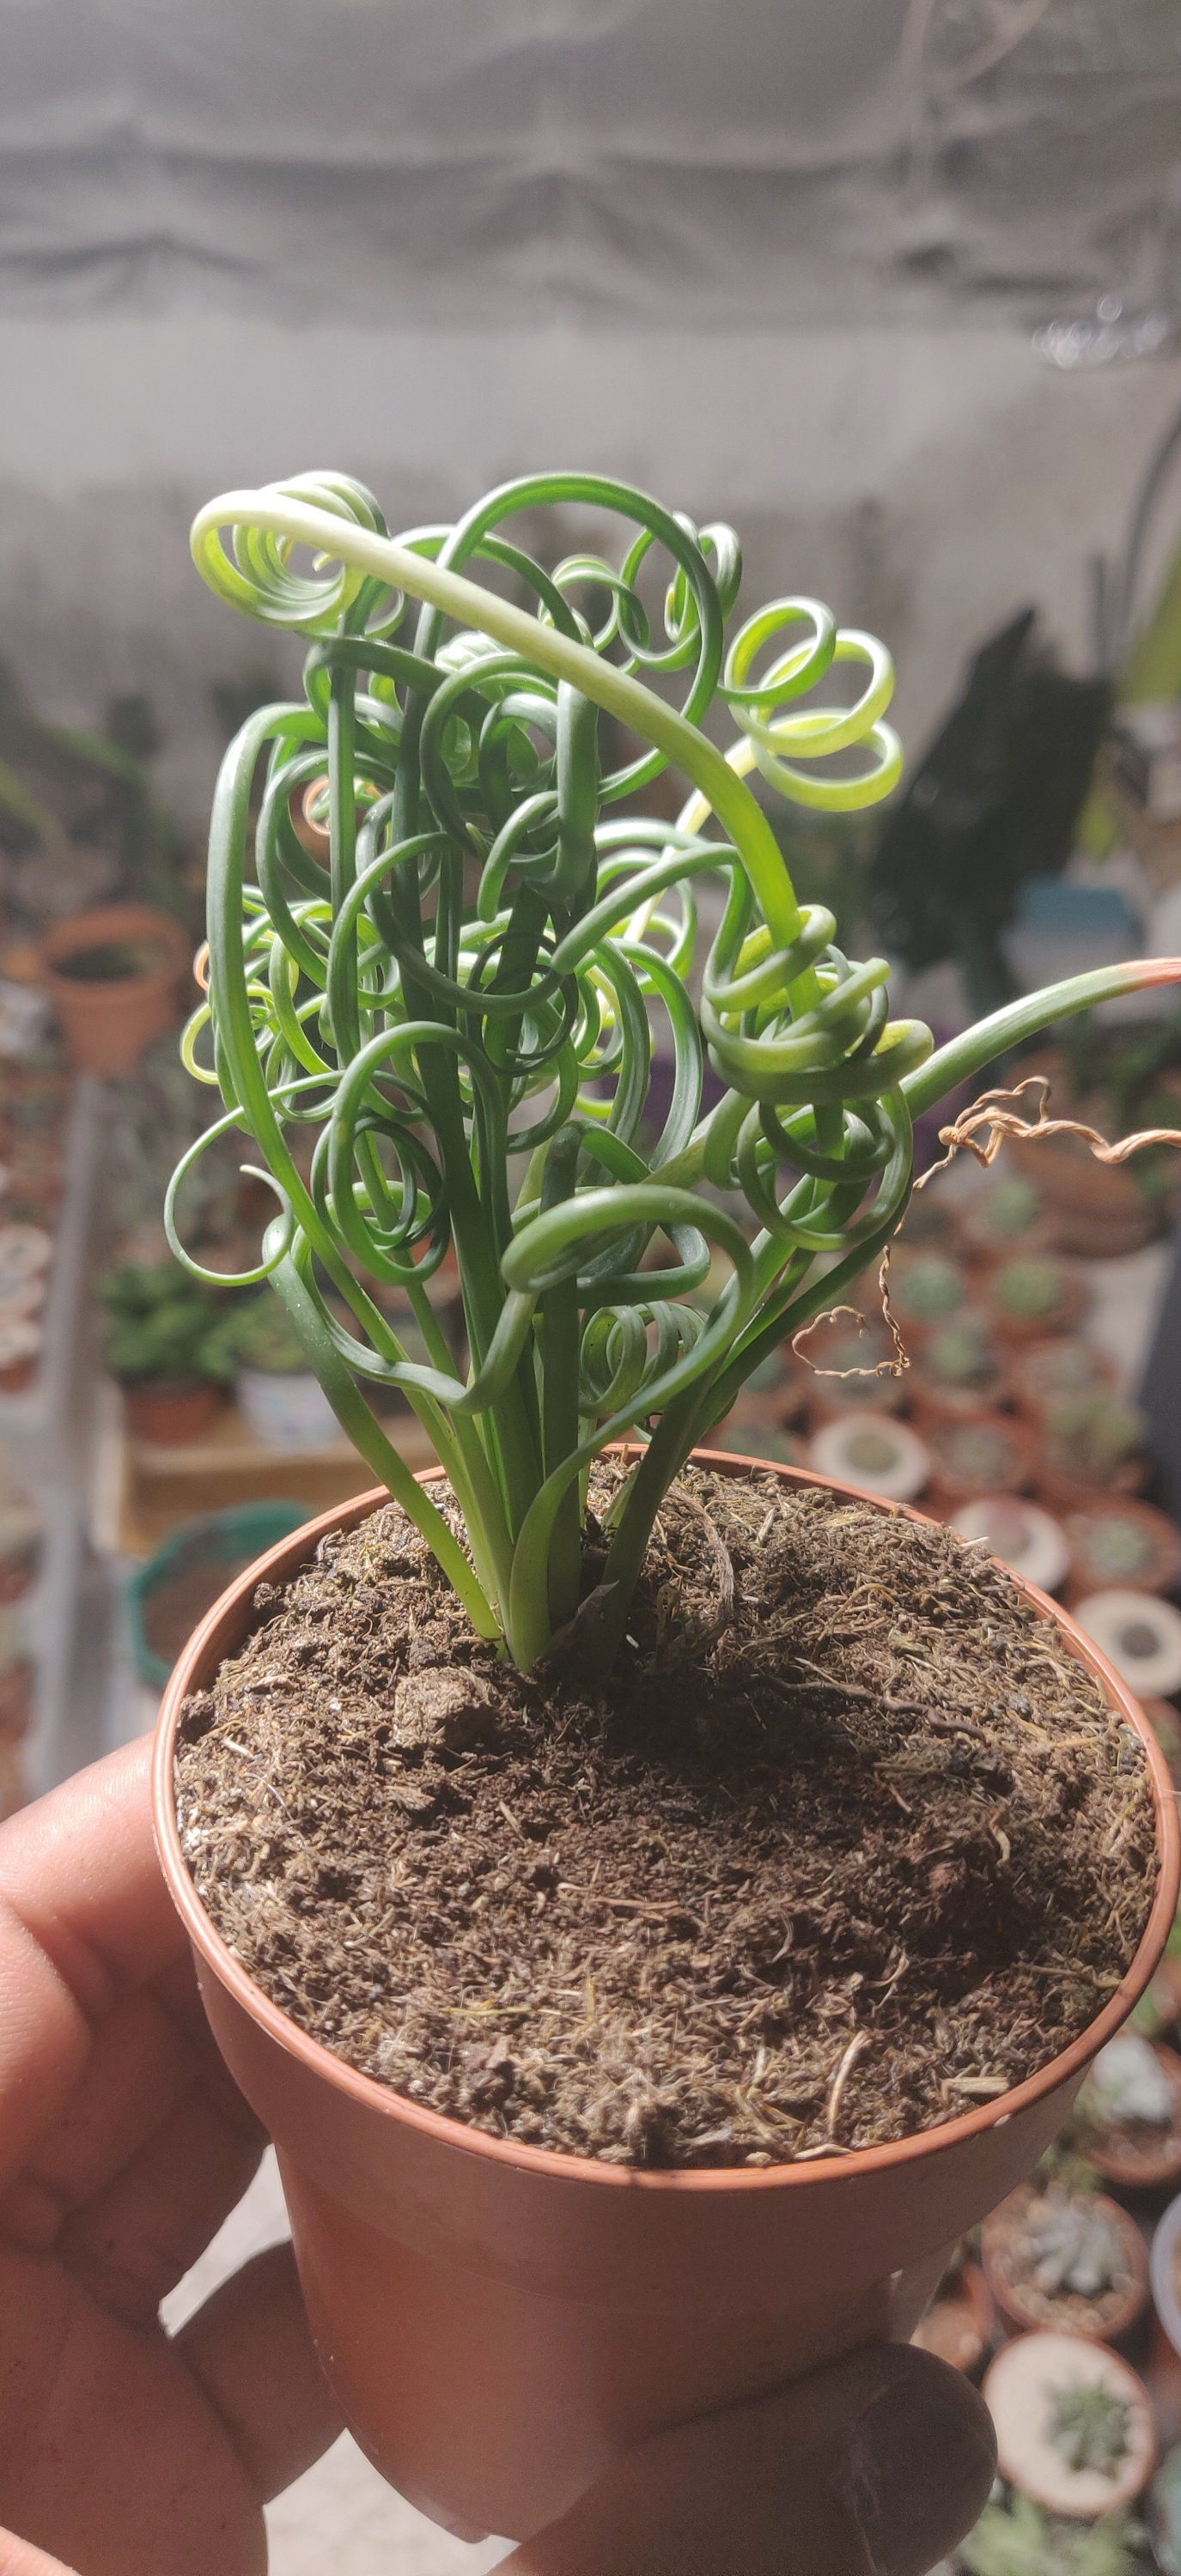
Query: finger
(17,2558)
(251,2349)
(137,2237)
(875,2467)
(84,1917)
(79,1870)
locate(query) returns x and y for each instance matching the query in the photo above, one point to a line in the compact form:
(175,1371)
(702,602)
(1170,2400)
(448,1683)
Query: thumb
(19,2558)
(874,2467)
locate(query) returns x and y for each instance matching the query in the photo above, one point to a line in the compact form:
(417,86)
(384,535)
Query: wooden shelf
(143,1489)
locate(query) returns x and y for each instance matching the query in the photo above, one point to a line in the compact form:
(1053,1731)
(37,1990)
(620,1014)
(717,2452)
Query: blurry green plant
(466,1003)
(1018,2539)
(258,1334)
(164,1326)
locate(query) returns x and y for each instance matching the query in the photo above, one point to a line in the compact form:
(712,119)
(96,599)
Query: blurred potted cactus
(163,1348)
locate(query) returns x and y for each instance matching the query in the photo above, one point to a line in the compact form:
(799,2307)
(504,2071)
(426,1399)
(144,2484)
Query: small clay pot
(958,1375)
(961,2322)
(170,1411)
(106,1026)
(1004,1217)
(499,2322)
(1138,2155)
(1015,1322)
(926,1290)
(1124,1543)
(1063,1364)
(1007,2256)
(991,1456)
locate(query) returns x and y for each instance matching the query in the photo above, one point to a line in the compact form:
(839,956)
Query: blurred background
(895,287)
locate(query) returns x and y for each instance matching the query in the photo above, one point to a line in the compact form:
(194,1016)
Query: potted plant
(1140,1635)
(1090,1444)
(280,1397)
(991,1456)
(958,1375)
(1129,2113)
(1125,1543)
(1015,2538)
(1033,1295)
(1074,2425)
(1004,1217)
(926,1290)
(114,976)
(1070,2260)
(872,1451)
(541,2201)
(163,1348)
(1065,1364)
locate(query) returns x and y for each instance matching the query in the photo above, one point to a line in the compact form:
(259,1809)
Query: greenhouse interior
(590,952)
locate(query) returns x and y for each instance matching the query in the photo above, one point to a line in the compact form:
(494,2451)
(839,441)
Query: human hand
(123,2145)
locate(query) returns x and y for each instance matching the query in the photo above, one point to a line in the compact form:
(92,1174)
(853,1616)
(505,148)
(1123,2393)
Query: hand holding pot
(123,2144)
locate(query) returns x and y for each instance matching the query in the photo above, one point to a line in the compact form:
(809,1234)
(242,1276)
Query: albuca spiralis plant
(465,1007)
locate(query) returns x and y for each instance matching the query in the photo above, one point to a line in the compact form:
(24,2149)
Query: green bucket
(199,1560)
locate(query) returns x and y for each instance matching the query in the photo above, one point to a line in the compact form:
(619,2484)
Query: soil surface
(854,1846)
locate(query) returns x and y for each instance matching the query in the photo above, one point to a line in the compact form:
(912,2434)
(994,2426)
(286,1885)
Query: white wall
(926,483)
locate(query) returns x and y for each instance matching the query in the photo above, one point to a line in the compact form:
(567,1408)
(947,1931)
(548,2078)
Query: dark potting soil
(853,1846)
(109,961)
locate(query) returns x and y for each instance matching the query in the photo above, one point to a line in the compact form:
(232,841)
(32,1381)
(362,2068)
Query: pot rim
(114,921)
(366,2092)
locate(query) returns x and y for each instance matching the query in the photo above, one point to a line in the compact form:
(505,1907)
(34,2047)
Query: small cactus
(1076,2248)
(1089,2425)
(1127,2086)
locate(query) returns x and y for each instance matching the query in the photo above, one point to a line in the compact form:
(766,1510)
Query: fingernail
(920,2467)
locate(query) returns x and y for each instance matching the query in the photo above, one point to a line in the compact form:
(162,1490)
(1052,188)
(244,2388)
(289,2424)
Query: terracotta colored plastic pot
(961,2322)
(498,2321)
(171,1412)
(106,1026)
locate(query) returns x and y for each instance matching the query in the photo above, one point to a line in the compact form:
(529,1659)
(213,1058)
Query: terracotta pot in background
(1016,1323)
(106,1026)
(1105,2317)
(1138,2155)
(169,1411)
(499,2322)
(961,2322)
(1064,1364)
(1118,1541)
(991,1456)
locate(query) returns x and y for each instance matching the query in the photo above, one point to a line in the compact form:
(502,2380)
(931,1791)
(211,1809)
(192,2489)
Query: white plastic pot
(1162,2265)
(1020,2390)
(871,1450)
(1024,1537)
(289,1412)
(1140,1636)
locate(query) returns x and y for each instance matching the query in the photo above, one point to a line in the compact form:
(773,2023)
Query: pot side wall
(498,2321)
